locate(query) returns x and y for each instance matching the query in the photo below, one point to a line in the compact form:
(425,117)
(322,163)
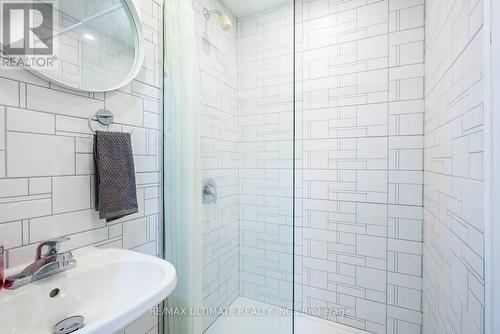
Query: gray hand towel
(115,188)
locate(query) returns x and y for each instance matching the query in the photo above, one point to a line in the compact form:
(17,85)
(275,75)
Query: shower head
(224,20)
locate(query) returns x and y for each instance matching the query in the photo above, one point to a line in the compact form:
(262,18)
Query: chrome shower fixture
(224,20)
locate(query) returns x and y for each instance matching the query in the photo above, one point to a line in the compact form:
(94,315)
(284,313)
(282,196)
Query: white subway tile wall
(360,106)
(217,58)
(453,193)
(46,168)
(265,123)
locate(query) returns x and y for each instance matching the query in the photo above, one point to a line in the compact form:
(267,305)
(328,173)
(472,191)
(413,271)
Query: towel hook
(104,117)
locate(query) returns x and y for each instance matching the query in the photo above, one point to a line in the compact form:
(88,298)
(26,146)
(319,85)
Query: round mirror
(90,45)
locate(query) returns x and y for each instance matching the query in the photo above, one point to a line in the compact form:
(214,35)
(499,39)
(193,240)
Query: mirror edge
(138,61)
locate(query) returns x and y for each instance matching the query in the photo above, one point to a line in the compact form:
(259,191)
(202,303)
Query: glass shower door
(229,128)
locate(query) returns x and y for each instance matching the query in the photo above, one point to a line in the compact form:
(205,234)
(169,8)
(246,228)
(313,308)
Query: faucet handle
(52,247)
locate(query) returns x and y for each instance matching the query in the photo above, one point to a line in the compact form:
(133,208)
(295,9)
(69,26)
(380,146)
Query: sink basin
(110,288)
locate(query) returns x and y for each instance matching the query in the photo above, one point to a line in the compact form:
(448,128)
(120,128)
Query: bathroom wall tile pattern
(46,168)
(454,277)
(217,57)
(265,138)
(360,160)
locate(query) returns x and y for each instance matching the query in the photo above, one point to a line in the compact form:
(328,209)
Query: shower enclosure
(293,165)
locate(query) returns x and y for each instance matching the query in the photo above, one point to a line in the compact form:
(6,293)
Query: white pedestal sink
(110,288)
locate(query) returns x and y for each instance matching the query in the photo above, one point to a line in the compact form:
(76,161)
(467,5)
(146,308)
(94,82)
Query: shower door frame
(294,154)
(491,72)
(162,317)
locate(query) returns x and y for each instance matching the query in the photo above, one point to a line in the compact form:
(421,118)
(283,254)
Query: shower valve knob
(209,191)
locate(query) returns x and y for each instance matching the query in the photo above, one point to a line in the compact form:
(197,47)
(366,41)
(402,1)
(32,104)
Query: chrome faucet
(48,262)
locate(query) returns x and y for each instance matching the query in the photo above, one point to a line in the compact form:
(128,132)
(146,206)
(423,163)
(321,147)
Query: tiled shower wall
(217,56)
(360,97)
(46,169)
(453,194)
(265,123)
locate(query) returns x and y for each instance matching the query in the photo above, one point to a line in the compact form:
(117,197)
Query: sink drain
(69,325)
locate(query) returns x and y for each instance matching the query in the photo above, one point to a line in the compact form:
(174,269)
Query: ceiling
(245,7)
